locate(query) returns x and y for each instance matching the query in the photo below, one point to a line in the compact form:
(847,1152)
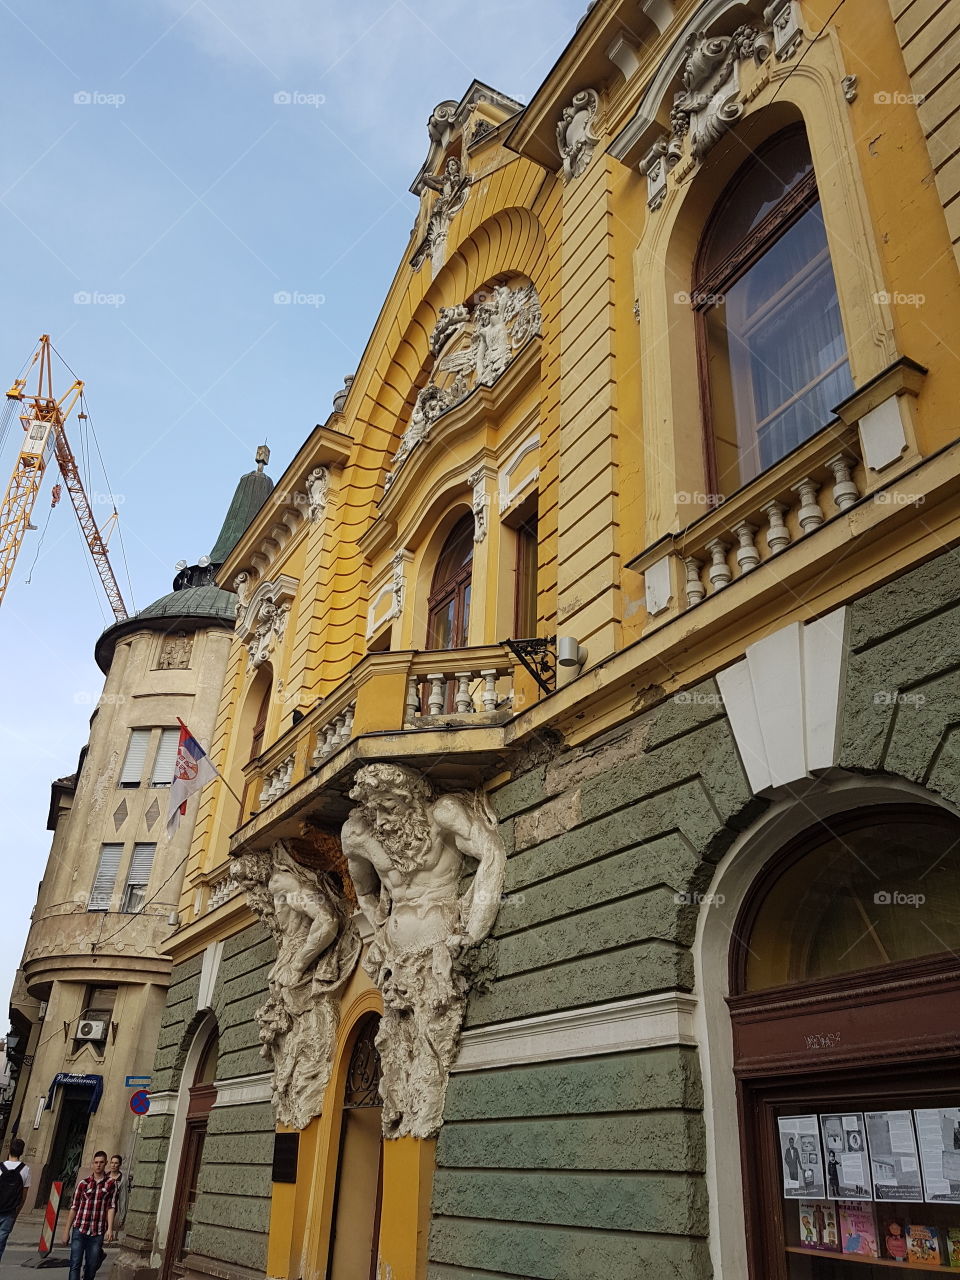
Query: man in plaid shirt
(90,1224)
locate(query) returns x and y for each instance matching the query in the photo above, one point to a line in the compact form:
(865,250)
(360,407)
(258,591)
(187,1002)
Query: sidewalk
(22,1248)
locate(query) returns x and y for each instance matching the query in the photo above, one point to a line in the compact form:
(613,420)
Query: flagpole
(183,725)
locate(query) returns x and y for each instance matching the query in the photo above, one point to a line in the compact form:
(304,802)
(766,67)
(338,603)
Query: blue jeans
(6,1226)
(87,1250)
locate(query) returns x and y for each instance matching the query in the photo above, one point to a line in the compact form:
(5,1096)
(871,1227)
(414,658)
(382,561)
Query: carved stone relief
(481,503)
(318,947)
(175,653)
(473,348)
(453,190)
(262,621)
(318,486)
(575,133)
(709,102)
(407,851)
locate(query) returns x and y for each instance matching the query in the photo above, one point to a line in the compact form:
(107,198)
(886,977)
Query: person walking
(14,1180)
(90,1224)
(115,1174)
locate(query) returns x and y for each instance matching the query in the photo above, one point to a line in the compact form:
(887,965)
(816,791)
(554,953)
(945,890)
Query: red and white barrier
(50,1218)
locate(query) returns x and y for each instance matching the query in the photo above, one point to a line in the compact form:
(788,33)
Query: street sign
(140,1102)
(137,1082)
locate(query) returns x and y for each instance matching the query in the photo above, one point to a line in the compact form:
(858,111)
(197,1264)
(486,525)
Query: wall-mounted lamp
(569,652)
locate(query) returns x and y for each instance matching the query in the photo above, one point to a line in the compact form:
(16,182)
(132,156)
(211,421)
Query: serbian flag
(192,771)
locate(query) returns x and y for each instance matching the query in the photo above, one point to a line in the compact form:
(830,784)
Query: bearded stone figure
(317,950)
(407,852)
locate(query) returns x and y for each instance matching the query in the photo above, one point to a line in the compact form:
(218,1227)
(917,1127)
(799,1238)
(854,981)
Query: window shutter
(106,877)
(132,770)
(138,877)
(166,759)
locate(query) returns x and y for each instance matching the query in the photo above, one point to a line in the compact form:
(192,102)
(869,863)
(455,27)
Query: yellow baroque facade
(639,516)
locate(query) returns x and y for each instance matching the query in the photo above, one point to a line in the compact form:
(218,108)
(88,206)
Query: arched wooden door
(202,1097)
(355,1237)
(847,1049)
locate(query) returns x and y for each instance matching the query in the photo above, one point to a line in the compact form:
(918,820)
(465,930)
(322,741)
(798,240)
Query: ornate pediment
(474,344)
(262,616)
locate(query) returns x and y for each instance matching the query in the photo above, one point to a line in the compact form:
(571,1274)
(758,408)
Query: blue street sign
(137,1082)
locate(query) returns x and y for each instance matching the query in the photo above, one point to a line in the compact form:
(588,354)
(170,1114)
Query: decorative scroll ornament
(453,188)
(575,133)
(709,102)
(474,349)
(318,486)
(407,854)
(317,950)
(262,621)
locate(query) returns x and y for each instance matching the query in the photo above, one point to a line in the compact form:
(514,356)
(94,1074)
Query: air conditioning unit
(88,1030)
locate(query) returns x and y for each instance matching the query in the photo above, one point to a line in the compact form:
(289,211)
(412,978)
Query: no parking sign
(140,1102)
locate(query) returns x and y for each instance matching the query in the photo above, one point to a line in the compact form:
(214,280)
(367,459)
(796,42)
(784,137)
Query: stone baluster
(438,693)
(845,491)
(810,515)
(346,728)
(777,535)
(412,705)
(462,699)
(720,572)
(694,585)
(748,557)
(489,695)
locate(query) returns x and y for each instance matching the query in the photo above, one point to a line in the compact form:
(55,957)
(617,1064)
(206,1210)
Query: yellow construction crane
(43,417)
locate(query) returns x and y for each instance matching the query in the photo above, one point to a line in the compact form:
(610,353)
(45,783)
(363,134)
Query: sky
(169,168)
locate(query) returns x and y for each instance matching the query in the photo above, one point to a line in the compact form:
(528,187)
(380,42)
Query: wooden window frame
(802,197)
(453,588)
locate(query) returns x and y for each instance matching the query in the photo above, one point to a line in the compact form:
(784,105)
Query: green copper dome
(252,492)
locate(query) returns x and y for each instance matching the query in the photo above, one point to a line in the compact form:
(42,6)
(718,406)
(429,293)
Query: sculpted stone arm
(322,933)
(477,837)
(354,839)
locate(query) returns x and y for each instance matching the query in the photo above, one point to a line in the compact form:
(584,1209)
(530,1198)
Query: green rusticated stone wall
(901,706)
(232,1211)
(593,1167)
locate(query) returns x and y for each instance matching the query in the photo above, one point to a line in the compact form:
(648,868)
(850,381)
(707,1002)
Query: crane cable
(54,499)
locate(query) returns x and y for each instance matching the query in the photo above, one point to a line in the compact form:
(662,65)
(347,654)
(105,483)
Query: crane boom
(43,419)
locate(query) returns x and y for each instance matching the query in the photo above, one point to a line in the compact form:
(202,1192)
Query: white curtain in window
(166,759)
(132,771)
(106,877)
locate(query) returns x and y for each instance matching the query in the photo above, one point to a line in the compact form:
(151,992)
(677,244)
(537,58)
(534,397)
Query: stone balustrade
(277,781)
(219,891)
(336,733)
(473,689)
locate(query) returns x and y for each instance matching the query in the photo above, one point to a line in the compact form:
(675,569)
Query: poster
(819,1228)
(894,1160)
(845,1150)
(800,1158)
(938,1135)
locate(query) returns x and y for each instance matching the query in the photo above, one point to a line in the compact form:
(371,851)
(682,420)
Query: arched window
(258,696)
(773,356)
(844,991)
(449,603)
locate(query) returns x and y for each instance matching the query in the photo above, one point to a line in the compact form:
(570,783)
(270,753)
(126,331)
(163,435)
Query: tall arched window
(773,356)
(844,990)
(449,603)
(258,696)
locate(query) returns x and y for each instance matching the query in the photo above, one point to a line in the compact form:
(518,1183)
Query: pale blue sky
(145,158)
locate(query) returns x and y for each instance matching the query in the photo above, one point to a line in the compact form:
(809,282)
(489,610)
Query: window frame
(106,844)
(452,588)
(147,731)
(142,885)
(744,255)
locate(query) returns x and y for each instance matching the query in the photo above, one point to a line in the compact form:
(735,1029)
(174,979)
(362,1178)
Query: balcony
(853,460)
(433,707)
